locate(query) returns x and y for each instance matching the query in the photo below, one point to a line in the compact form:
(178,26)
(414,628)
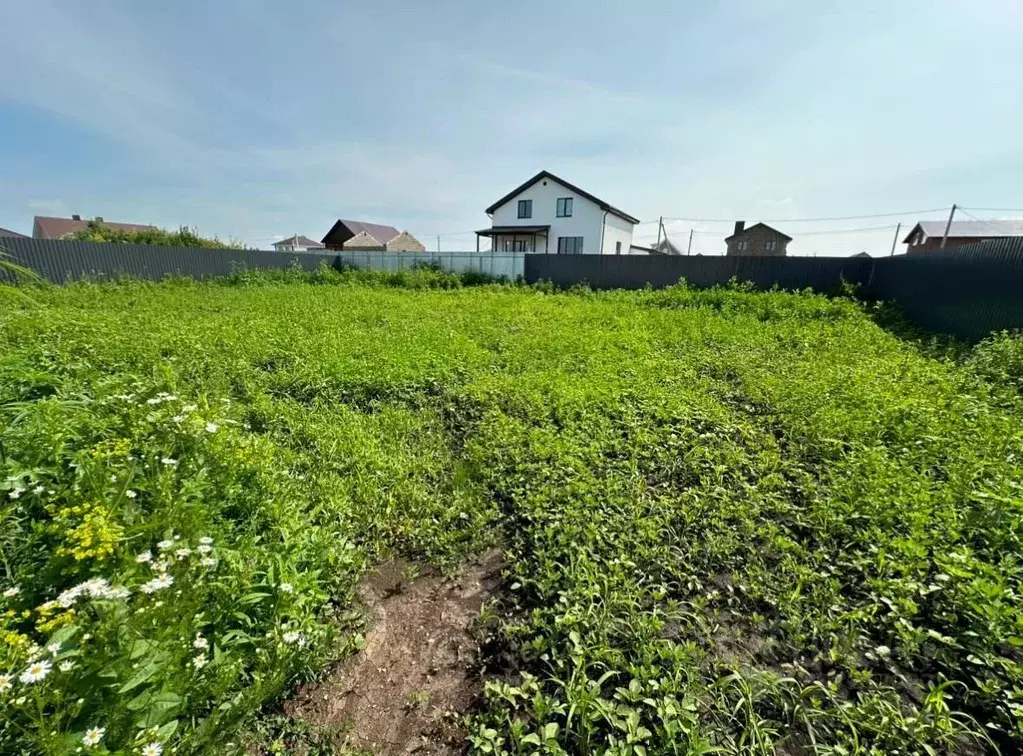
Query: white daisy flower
(165,544)
(15,493)
(200,661)
(160,566)
(12,591)
(287,587)
(35,651)
(204,548)
(163,580)
(211,427)
(152,749)
(5,683)
(183,553)
(53,648)
(66,666)
(38,490)
(200,642)
(206,541)
(291,637)
(120,592)
(130,494)
(144,557)
(208,562)
(169,461)
(36,671)
(93,736)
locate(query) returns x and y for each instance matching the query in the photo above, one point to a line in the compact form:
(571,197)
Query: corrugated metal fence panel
(966,291)
(507,265)
(635,271)
(60,261)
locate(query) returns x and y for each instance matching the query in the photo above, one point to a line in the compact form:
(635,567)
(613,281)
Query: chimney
(99,218)
(76,217)
(739,226)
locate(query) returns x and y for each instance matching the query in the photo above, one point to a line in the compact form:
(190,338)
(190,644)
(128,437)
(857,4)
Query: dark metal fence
(965,291)
(824,274)
(60,261)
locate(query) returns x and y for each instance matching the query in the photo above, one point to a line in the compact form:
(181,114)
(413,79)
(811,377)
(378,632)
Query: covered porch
(516,238)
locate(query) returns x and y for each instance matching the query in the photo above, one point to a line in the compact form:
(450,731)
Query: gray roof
(298,241)
(978,229)
(8,233)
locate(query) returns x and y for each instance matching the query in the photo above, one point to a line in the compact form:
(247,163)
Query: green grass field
(735,523)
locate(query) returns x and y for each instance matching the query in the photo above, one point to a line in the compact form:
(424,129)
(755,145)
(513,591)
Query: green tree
(97,231)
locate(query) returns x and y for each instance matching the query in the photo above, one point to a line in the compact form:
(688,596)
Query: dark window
(770,246)
(564,207)
(742,246)
(570,245)
(514,245)
(618,248)
(525,208)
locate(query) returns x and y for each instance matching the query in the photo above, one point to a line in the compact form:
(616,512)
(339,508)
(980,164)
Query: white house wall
(616,230)
(585,221)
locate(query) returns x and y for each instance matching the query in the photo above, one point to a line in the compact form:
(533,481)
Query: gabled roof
(381,233)
(548,175)
(667,247)
(992,229)
(6,232)
(746,230)
(44,227)
(363,240)
(298,241)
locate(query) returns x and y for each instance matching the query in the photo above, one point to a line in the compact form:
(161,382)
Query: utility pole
(660,225)
(690,247)
(948,225)
(896,239)
(438,244)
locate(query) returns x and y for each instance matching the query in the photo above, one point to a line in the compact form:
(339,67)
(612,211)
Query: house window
(564,207)
(618,248)
(514,245)
(570,245)
(770,246)
(742,246)
(525,208)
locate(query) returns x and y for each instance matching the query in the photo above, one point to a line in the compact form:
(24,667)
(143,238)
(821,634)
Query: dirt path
(408,690)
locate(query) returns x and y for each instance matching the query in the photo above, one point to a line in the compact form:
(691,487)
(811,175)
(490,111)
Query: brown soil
(408,690)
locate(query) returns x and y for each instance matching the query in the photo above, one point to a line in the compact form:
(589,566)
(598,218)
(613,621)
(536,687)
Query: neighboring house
(759,239)
(297,243)
(926,235)
(379,237)
(55,228)
(666,247)
(547,214)
(7,233)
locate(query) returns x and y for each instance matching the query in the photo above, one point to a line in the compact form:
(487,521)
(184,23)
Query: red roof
(54,228)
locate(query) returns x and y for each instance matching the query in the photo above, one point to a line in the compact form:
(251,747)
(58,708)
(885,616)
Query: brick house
(758,239)
(376,236)
(926,236)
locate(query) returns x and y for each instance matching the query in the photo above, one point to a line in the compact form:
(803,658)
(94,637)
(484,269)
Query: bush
(97,231)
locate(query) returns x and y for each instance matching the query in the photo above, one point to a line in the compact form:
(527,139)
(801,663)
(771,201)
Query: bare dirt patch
(409,688)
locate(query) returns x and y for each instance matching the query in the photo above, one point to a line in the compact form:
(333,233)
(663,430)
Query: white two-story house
(549,215)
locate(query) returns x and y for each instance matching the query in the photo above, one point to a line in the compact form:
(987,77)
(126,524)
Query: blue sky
(256,120)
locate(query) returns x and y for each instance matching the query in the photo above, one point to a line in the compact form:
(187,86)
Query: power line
(994,209)
(811,220)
